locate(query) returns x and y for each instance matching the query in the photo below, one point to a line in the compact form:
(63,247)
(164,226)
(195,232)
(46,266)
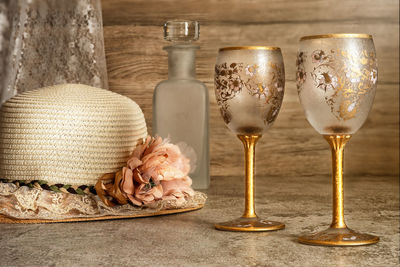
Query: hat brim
(143,213)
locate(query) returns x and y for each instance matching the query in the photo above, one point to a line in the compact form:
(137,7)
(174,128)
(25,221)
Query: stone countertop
(189,239)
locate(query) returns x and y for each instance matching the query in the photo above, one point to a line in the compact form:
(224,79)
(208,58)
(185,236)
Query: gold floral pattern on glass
(301,73)
(231,79)
(228,84)
(345,77)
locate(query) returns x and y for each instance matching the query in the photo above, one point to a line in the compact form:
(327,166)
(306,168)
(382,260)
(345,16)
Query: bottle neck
(181,61)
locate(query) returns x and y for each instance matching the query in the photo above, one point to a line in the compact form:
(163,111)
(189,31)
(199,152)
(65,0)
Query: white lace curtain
(48,42)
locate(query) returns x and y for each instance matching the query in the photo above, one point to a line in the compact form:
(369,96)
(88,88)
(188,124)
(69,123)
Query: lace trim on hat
(24,202)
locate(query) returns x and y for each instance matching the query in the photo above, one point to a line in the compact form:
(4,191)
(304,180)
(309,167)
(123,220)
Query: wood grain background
(136,63)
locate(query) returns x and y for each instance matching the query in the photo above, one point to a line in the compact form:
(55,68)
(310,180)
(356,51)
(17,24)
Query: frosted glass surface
(180,111)
(249,88)
(336,80)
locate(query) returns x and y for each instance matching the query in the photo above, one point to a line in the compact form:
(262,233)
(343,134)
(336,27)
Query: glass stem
(337,143)
(249,142)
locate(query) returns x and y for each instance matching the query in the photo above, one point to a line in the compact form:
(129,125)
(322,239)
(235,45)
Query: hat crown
(67,134)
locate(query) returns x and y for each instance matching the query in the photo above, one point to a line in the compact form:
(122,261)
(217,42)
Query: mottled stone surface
(48,42)
(303,203)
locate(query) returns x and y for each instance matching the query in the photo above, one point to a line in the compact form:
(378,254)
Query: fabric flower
(155,170)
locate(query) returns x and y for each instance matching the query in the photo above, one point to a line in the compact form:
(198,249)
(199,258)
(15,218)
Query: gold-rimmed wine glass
(249,87)
(336,83)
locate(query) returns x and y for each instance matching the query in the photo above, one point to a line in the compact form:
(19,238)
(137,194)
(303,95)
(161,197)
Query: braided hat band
(64,188)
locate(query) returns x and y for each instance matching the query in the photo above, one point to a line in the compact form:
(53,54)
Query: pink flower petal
(158,191)
(147,198)
(134,163)
(138,151)
(174,187)
(138,177)
(135,201)
(127,181)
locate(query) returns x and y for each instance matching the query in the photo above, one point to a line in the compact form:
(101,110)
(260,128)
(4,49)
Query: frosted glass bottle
(180,104)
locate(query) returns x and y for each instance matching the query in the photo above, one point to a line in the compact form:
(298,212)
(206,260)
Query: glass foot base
(250,225)
(338,237)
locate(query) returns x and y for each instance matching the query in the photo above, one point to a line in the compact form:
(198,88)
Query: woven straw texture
(68,134)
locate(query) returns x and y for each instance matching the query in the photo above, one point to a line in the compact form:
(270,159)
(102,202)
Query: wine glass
(336,81)
(249,87)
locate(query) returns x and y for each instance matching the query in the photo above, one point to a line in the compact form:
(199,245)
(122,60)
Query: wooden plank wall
(136,63)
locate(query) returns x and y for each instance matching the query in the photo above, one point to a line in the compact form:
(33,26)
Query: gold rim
(337,35)
(249,48)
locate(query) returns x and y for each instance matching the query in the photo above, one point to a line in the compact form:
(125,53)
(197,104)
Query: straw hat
(67,134)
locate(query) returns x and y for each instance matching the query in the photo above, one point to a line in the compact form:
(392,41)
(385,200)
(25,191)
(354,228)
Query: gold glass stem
(249,143)
(337,143)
